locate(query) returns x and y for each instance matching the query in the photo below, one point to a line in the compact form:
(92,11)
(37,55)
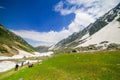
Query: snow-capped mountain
(105,29)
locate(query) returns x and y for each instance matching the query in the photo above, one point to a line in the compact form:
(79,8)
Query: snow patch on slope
(85,36)
(23,54)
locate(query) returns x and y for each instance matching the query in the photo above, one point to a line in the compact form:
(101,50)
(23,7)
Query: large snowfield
(109,33)
(6,64)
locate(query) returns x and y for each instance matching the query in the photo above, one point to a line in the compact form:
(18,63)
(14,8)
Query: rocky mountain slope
(10,42)
(42,49)
(106,30)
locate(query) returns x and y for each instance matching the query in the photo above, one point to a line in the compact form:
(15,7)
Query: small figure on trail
(22,63)
(28,63)
(16,67)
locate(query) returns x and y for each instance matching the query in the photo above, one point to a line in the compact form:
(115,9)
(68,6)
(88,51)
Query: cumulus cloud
(66,7)
(47,38)
(64,11)
(81,19)
(85,11)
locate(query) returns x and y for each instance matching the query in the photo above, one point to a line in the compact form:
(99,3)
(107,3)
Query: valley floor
(7,63)
(74,66)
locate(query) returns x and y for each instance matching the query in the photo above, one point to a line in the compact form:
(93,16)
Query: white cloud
(59,7)
(81,19)
(42,38)
(66,7)
(86,3)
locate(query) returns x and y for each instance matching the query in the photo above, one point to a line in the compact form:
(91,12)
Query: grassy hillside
(9,42)
(102,66)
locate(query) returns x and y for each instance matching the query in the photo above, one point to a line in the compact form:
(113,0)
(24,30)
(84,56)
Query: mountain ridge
(10,42)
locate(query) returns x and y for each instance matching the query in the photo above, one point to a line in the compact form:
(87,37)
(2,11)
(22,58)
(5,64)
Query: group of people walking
(22,64)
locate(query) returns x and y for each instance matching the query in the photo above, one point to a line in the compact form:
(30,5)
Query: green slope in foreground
(94,66)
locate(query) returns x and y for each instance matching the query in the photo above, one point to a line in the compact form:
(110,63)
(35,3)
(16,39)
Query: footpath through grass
(95,66)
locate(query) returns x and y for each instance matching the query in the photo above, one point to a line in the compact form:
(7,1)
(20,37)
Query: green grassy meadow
(74,66)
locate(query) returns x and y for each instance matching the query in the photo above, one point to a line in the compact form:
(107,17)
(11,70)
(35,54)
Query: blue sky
(45,22)
(36,15)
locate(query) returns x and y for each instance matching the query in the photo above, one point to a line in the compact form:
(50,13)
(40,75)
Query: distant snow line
(23,54)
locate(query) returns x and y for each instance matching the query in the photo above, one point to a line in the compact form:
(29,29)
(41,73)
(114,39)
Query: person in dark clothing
(16,67)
